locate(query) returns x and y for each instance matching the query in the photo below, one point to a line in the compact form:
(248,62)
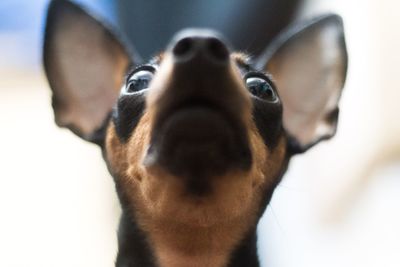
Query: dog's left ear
(308,63)
(85,63)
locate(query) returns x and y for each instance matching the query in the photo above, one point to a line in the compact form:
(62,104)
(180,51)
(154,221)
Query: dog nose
(190,44)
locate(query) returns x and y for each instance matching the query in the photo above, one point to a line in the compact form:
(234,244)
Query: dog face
(195,153)
(199,136)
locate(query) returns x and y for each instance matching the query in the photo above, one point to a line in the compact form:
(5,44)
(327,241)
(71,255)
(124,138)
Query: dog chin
(197,143)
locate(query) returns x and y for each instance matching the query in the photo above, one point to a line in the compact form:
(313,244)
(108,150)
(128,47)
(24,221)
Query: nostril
(183,47)
(217,49)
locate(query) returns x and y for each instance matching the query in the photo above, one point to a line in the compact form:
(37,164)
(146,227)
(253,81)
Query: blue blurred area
(21,30)
(248,25)
(17,15)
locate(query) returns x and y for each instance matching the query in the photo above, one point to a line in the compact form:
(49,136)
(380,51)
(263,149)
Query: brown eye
(261,88)
(139,81)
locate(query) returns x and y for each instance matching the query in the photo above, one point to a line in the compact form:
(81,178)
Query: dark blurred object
(249,25)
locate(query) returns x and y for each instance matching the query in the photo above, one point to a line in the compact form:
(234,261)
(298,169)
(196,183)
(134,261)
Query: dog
(198,137)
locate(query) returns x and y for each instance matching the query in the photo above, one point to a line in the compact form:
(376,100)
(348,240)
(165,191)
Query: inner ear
(308,63)
(85,63)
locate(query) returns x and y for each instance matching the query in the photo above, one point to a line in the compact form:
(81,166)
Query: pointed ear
(308,63)
(85,64)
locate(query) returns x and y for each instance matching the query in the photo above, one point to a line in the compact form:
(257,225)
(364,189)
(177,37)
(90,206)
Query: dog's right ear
(85,63)
(308,63)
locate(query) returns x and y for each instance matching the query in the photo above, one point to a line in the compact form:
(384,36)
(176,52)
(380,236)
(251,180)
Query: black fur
(134,250)
(127,113)
(246,253)
(268,118)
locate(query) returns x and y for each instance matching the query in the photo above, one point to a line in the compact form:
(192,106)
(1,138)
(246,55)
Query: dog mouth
(198,139)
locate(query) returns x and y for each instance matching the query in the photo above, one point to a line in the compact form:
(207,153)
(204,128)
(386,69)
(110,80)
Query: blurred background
(337,206)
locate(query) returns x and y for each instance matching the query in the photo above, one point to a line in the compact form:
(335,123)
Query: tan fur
(184,230)
(181,228)
(240,58)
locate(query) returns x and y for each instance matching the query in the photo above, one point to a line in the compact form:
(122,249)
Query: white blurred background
(337,206)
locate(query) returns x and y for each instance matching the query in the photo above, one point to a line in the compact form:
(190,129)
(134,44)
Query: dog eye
(139,81)
(261,88)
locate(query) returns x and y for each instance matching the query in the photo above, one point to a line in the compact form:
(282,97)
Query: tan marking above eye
(241,58)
